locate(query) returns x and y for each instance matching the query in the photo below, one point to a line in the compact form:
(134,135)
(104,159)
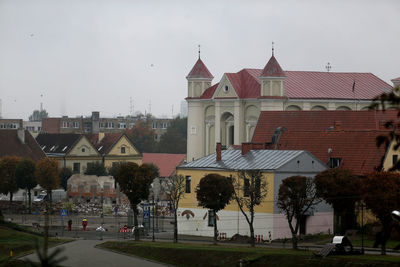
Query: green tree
(174,140)
(341,189)
(8,184)
(142,136)
(96,168)
(134,181)
(25,177)
(297,195)
(47,176)
(250,190)
(175,190)
(214,192)
(65,174)
(38,115)
(380,192)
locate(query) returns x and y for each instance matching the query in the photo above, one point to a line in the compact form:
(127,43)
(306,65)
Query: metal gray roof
(253,160)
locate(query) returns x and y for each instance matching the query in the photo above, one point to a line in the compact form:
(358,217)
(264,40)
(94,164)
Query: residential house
(20,143)
(10,124)
(275,165)
(74,151)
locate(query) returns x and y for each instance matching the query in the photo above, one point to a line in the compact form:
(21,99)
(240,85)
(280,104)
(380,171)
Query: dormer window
(334,162)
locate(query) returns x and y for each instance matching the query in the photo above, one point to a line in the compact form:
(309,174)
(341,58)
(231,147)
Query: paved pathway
(83,253)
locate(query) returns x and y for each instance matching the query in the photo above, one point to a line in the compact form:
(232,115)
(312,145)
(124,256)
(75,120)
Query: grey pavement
(84,253)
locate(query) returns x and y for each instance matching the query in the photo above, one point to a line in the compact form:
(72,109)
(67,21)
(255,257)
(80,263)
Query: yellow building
(276,165)
(77,151)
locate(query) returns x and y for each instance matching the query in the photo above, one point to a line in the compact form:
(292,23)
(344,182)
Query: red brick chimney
(219,148)
(246,147)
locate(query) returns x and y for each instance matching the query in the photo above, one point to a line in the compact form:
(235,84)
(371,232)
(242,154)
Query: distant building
(34,127)
(95,124)
(10,124)
(19,143)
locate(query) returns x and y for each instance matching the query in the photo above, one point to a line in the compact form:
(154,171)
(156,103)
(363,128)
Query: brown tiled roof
(166,163)
(106,143)
(11,145)
(269,121)
(357,148)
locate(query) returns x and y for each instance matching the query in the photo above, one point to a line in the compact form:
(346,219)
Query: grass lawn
(210,255)
(18,240)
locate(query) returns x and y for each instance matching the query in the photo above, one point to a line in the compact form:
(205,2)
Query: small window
(65,124)
(187,188)
(211,216)
(76,124)
(193,130)
(334,162)
(123,150)
(77,167)
(164,125)
(64,148)
(226,89)
(395,158)
(102,124)
(83,150)
(131,125)
(154,125)
(121,125)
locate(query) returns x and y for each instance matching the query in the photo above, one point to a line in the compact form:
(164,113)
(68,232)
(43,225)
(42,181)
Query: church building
(228,111)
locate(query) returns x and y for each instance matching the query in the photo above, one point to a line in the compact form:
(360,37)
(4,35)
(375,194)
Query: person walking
(84,223)
(69,225)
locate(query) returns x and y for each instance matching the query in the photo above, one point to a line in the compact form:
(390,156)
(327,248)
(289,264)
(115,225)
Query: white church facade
(228,111)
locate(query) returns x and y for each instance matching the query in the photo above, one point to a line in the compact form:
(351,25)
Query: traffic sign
(63,212)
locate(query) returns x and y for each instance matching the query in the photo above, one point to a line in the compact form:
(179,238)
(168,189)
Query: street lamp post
(362,228)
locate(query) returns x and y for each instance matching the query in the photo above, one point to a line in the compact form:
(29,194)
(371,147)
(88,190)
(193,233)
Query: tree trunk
(135,223)
(175,226)
(215,227)
(10,207)
(50,193)
(29,202)
(252,241)
(294,241)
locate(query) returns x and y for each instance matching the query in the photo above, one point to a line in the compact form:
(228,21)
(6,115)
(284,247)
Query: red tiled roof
(166,163)
(357,149)
(396,79)
(200,70)
(11,145)
(268,121)
(309,84)
(272,69)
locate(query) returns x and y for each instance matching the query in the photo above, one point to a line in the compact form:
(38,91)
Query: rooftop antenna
(273,49)
(199,51)
(150,106)
(172,111)
(41,103)
(328,67)
(131,110)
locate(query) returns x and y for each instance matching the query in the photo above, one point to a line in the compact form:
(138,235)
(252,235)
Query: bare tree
(297,195)
(250,190)
(175,189)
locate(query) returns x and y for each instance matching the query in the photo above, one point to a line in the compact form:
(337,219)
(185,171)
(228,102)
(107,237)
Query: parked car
(57,195)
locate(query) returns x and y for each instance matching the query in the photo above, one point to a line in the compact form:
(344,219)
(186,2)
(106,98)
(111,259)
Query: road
(83,253)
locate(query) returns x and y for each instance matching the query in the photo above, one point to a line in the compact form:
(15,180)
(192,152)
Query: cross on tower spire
(272,48)
(199,51)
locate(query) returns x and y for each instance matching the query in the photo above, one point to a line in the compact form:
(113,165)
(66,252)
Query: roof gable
(199,70)
(83,147)
(225,89)
(122,141)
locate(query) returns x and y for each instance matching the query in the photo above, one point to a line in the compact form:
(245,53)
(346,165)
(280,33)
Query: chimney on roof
(21,135)
(246,147)
(337,125)
(219,148)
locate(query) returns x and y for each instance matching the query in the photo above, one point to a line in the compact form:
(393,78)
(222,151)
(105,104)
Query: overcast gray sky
(80,56)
